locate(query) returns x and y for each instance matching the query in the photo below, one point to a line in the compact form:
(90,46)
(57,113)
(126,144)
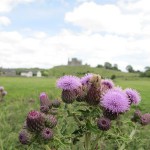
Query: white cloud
(5,21)
(47,51)
(7,5)
(123,18)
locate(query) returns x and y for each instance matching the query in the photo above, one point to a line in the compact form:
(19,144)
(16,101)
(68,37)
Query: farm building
(31,73)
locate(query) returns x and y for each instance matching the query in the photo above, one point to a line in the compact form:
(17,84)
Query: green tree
(129,68)
(108,65)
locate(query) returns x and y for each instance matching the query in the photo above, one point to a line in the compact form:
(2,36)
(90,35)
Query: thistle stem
(87,140)
(76,119)
(95,142)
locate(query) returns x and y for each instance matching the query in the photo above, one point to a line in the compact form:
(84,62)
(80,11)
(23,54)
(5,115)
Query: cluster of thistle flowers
(102,93)
(40,123)
(143,119)
(2,93)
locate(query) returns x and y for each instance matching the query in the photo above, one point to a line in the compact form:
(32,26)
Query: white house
(39,74)
(27,74)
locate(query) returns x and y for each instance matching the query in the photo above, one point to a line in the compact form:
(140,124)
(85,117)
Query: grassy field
(23,96)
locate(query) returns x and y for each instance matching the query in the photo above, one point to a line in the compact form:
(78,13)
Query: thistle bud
(56,103)
(50,121)
(47,134)
(44,109)
(35,121)
(145,119)
(25,137)
(103,123)
(68,96)
(44,100)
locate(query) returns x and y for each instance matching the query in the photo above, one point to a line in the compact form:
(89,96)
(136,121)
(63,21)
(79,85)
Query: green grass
(23,96)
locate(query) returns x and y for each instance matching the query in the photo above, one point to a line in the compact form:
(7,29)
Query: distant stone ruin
(75,62)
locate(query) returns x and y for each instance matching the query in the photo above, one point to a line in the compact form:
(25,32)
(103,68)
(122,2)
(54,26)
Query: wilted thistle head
(25,136)
(106,84)
(44,100)
(103,123)
(50,121)
(145,119)
(47,134)
(95,80)
(133,96)
(35,121)
(94,92)
(68,82)
(115,100)
(56,103)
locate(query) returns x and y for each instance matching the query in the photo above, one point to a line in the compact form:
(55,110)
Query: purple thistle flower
(24,137)
(145,119)
(133,96)
(68,82)
(106,84)
(85,80)
(47,134)
(103,123)
(115,101)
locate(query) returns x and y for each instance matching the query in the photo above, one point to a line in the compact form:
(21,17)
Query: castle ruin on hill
(74,62)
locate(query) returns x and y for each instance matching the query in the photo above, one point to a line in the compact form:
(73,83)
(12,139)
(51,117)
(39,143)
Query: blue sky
(45,33)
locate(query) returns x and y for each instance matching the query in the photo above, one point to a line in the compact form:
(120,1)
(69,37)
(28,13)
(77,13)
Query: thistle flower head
(44,100)
(47,134)
(133,96)
(137,116)
(43,95)
(35,121)
(103,123)
(85,80)
(115,101)
(95,80)
(68,82)
(4,93)
(145,119)
(24,137)
(69,96)
(107,83)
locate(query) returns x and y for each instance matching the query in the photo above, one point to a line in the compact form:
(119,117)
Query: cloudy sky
(45,33)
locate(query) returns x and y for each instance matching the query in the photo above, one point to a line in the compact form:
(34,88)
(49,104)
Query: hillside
(82,70)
